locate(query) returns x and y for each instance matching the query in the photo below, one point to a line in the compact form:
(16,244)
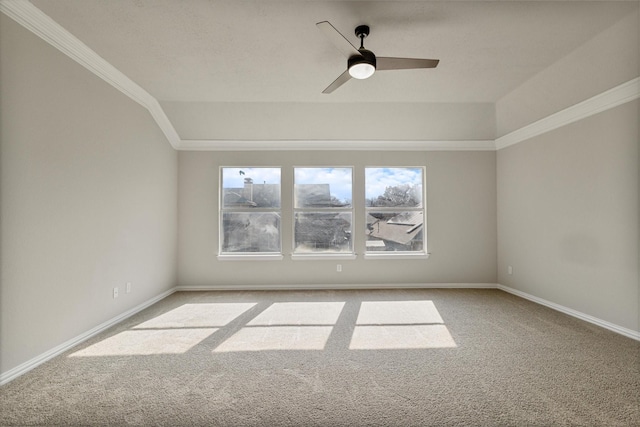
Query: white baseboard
(25,367)
(334,286)
(571,312)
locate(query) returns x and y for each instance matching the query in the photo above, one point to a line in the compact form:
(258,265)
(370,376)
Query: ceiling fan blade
(338,39)
(404,63)
(342,79)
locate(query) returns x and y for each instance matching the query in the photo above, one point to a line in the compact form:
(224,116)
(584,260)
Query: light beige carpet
(432,357)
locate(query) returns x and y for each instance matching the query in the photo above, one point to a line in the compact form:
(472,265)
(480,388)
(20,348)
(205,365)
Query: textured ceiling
(207,51)
(270,51)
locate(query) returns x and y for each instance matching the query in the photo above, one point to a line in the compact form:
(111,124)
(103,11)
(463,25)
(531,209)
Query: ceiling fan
(362,63)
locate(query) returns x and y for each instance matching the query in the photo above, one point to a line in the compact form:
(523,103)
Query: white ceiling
(205,52)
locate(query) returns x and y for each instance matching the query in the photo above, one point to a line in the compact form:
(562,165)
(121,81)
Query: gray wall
(568,216)
(417,121)
(88,199)
(461,221)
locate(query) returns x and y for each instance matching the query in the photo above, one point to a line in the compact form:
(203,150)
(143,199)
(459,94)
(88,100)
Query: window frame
(295,210)
(423,254)
(247,256)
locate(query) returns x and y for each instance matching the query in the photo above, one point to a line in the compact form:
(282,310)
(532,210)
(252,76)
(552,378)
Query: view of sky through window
(378,180)
(338,179)
(235,177)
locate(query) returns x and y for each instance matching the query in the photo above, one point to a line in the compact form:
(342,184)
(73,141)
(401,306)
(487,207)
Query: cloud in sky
(339,180)
(378,179)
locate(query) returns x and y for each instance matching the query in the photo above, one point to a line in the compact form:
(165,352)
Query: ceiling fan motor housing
(362,66)
(367,58)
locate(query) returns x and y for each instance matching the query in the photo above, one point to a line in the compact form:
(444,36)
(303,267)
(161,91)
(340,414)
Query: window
(323,212)
(395,211)
(250,211)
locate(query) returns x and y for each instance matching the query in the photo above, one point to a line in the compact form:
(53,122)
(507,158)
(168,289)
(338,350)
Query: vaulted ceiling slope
(255,69)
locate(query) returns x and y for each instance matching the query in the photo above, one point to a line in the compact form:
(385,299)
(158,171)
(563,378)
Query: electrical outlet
(509,270)
(115,292)
(128,287)
(339,268)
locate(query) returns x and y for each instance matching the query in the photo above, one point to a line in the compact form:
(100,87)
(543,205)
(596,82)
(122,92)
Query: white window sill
(250,257)
(397,255)
(320,257)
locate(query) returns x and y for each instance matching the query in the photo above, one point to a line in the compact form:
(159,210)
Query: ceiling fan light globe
(361,70)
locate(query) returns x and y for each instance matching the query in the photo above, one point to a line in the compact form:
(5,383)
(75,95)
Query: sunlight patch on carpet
(398,313)
(277,338)
(287,326)
(197,316)
(386,325)
(388,337)
(147,342)
(299,313)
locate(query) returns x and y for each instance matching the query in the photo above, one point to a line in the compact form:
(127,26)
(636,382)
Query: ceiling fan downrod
(362,31)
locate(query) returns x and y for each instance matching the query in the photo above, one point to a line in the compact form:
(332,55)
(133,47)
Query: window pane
(322,232)
(251,187)
(393,187)
(395,231)
(250,232)
(322,187)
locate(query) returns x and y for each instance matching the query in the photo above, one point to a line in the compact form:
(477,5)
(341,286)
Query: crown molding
(40,24)
(619,95)
(334,145)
